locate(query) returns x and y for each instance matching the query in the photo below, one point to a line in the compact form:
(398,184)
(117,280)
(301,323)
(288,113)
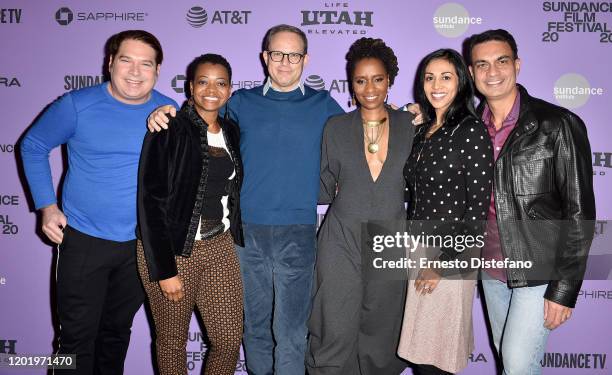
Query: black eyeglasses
(278,56)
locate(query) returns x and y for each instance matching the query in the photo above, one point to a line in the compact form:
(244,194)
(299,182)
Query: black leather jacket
(544,198)
(171,181)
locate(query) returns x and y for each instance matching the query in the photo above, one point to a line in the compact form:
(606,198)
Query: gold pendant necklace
(373,146)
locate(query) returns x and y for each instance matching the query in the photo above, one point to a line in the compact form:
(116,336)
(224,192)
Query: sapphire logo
(178,84)
(64,16)
(316,82)
(197,17)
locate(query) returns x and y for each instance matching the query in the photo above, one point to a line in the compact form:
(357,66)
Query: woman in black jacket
(189,219)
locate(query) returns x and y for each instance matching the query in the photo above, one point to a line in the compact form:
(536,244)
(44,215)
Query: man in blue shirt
(98,289)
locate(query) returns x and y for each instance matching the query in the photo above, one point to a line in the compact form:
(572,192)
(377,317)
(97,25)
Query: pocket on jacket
(537,152)
(534,176)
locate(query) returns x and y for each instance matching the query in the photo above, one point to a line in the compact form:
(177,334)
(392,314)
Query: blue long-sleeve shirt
(104,138)
(280,142)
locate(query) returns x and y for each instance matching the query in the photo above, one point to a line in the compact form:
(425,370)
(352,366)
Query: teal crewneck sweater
(280,142)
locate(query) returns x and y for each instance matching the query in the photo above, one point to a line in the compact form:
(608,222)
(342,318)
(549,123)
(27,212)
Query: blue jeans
(277,265)
(517,324)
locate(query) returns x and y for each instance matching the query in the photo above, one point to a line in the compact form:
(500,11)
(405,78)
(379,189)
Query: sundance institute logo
(64,16)
(452,20)
(573,90)
(315,82)
(197,17)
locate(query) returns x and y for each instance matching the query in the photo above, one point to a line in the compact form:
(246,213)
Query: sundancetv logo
(573,90)
(453,20)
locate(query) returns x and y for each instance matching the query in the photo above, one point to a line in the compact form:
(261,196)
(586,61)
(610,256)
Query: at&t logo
(197,17)
(316,82)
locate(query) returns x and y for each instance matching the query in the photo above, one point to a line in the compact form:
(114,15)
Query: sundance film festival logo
(453,20)
(573,90)
(197,17)
(64,16)
(337,18)
(588,17)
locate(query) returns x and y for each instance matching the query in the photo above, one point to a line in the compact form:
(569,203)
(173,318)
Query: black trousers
(98,294)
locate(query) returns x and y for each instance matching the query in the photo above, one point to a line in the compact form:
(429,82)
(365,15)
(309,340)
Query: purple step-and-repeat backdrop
(50,47)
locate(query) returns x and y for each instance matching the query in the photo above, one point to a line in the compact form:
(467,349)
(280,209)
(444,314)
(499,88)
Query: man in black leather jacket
(542,208)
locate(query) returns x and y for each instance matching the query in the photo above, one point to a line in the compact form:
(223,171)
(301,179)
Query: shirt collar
(510,119)
(268,86)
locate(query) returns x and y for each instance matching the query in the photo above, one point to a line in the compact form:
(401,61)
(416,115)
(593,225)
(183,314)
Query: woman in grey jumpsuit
(356,321)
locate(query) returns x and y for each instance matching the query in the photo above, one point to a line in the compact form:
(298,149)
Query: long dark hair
(464,100)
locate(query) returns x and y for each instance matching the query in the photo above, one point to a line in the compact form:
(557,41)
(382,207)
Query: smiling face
(133,72)
(370,83)
(210,88)
(440,85)
(494,70)
(284,75)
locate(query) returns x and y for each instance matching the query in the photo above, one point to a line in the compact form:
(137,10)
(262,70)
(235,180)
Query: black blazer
(544,198)
(173,165)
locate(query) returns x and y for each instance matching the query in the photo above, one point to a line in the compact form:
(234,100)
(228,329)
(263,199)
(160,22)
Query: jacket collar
(526,122)
(189,110)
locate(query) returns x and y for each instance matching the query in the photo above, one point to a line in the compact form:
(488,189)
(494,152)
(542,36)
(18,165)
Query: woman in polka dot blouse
(448,178)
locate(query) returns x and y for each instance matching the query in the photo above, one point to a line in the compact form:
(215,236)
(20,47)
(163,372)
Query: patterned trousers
(212,282)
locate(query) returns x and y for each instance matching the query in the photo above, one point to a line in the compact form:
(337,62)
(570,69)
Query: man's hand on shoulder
(159,119)
(53,223)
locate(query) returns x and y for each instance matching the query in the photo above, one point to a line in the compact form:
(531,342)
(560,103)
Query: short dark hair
(370,48)
(500,35)
(464,100)
(284,28)
(146,37)
(209,58)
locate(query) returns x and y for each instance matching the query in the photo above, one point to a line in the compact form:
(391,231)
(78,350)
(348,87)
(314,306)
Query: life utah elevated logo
(337,19)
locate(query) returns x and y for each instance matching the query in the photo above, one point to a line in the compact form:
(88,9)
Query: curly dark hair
(209,58)
(365,48)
